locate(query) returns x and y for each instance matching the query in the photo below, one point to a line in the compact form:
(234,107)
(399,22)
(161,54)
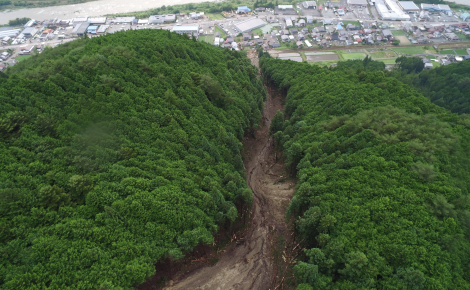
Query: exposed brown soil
(259,257)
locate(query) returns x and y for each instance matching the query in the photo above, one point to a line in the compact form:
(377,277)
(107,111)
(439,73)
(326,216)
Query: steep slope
(117,152)
(251,262)
(383,193)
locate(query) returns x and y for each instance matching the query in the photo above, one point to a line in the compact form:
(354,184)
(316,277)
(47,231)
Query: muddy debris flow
(250,264)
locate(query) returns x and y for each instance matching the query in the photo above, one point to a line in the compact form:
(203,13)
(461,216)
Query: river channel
(94,8)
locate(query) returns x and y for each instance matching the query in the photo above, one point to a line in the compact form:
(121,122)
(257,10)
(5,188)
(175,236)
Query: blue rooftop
(244,9)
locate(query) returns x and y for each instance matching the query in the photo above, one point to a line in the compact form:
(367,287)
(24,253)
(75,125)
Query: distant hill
(382,199)
(118,152)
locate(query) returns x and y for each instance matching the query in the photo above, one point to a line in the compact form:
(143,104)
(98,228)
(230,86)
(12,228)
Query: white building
(156,19)
(30,23)
(194,30)
(97,20)
(409,6)
(79,20)
(289,22)
(249,25)
(357,3)
(389,10)
(124,19)
(309,5)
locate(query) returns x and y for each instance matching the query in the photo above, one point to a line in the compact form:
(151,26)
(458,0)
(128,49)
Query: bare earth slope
(250,264)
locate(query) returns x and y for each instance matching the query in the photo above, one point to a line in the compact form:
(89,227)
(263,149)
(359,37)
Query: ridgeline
(119,152)
(382,199)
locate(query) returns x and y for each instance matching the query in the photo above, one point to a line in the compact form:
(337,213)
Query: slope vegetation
(447,86)
(118,152)
(383,193)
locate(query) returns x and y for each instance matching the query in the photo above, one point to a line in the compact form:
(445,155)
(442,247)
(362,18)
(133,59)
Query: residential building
(288,22)
(309,5)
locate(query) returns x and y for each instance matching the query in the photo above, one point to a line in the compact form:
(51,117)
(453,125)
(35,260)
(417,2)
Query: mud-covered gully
(252,263)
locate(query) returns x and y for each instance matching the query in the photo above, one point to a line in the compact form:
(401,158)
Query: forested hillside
(382,198)
(118,152)
(447,86)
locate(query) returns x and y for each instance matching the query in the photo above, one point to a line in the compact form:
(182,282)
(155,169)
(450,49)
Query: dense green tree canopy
(410,64)
(447,86)
(382,199)
(117,152)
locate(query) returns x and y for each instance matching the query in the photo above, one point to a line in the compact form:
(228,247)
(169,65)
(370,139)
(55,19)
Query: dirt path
(250,264)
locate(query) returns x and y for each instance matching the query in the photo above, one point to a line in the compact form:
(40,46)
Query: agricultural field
(346,22)
(458,51)
(257,31)
(403,40)
(207,38)
(322,57)
(222,33)
(447,51)
(214,16)
(388,61)
(409,50)
(354,55)
(398,33)
(22,57)
(382,54)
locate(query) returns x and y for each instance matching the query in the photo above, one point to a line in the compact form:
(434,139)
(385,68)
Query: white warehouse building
(390,10)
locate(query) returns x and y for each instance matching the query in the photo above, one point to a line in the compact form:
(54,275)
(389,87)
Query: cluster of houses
(446,59)
(428,33)
(298,31)
(334,32)
(50,29)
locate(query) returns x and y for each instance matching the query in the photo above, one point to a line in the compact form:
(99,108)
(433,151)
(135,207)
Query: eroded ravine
(250,264)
